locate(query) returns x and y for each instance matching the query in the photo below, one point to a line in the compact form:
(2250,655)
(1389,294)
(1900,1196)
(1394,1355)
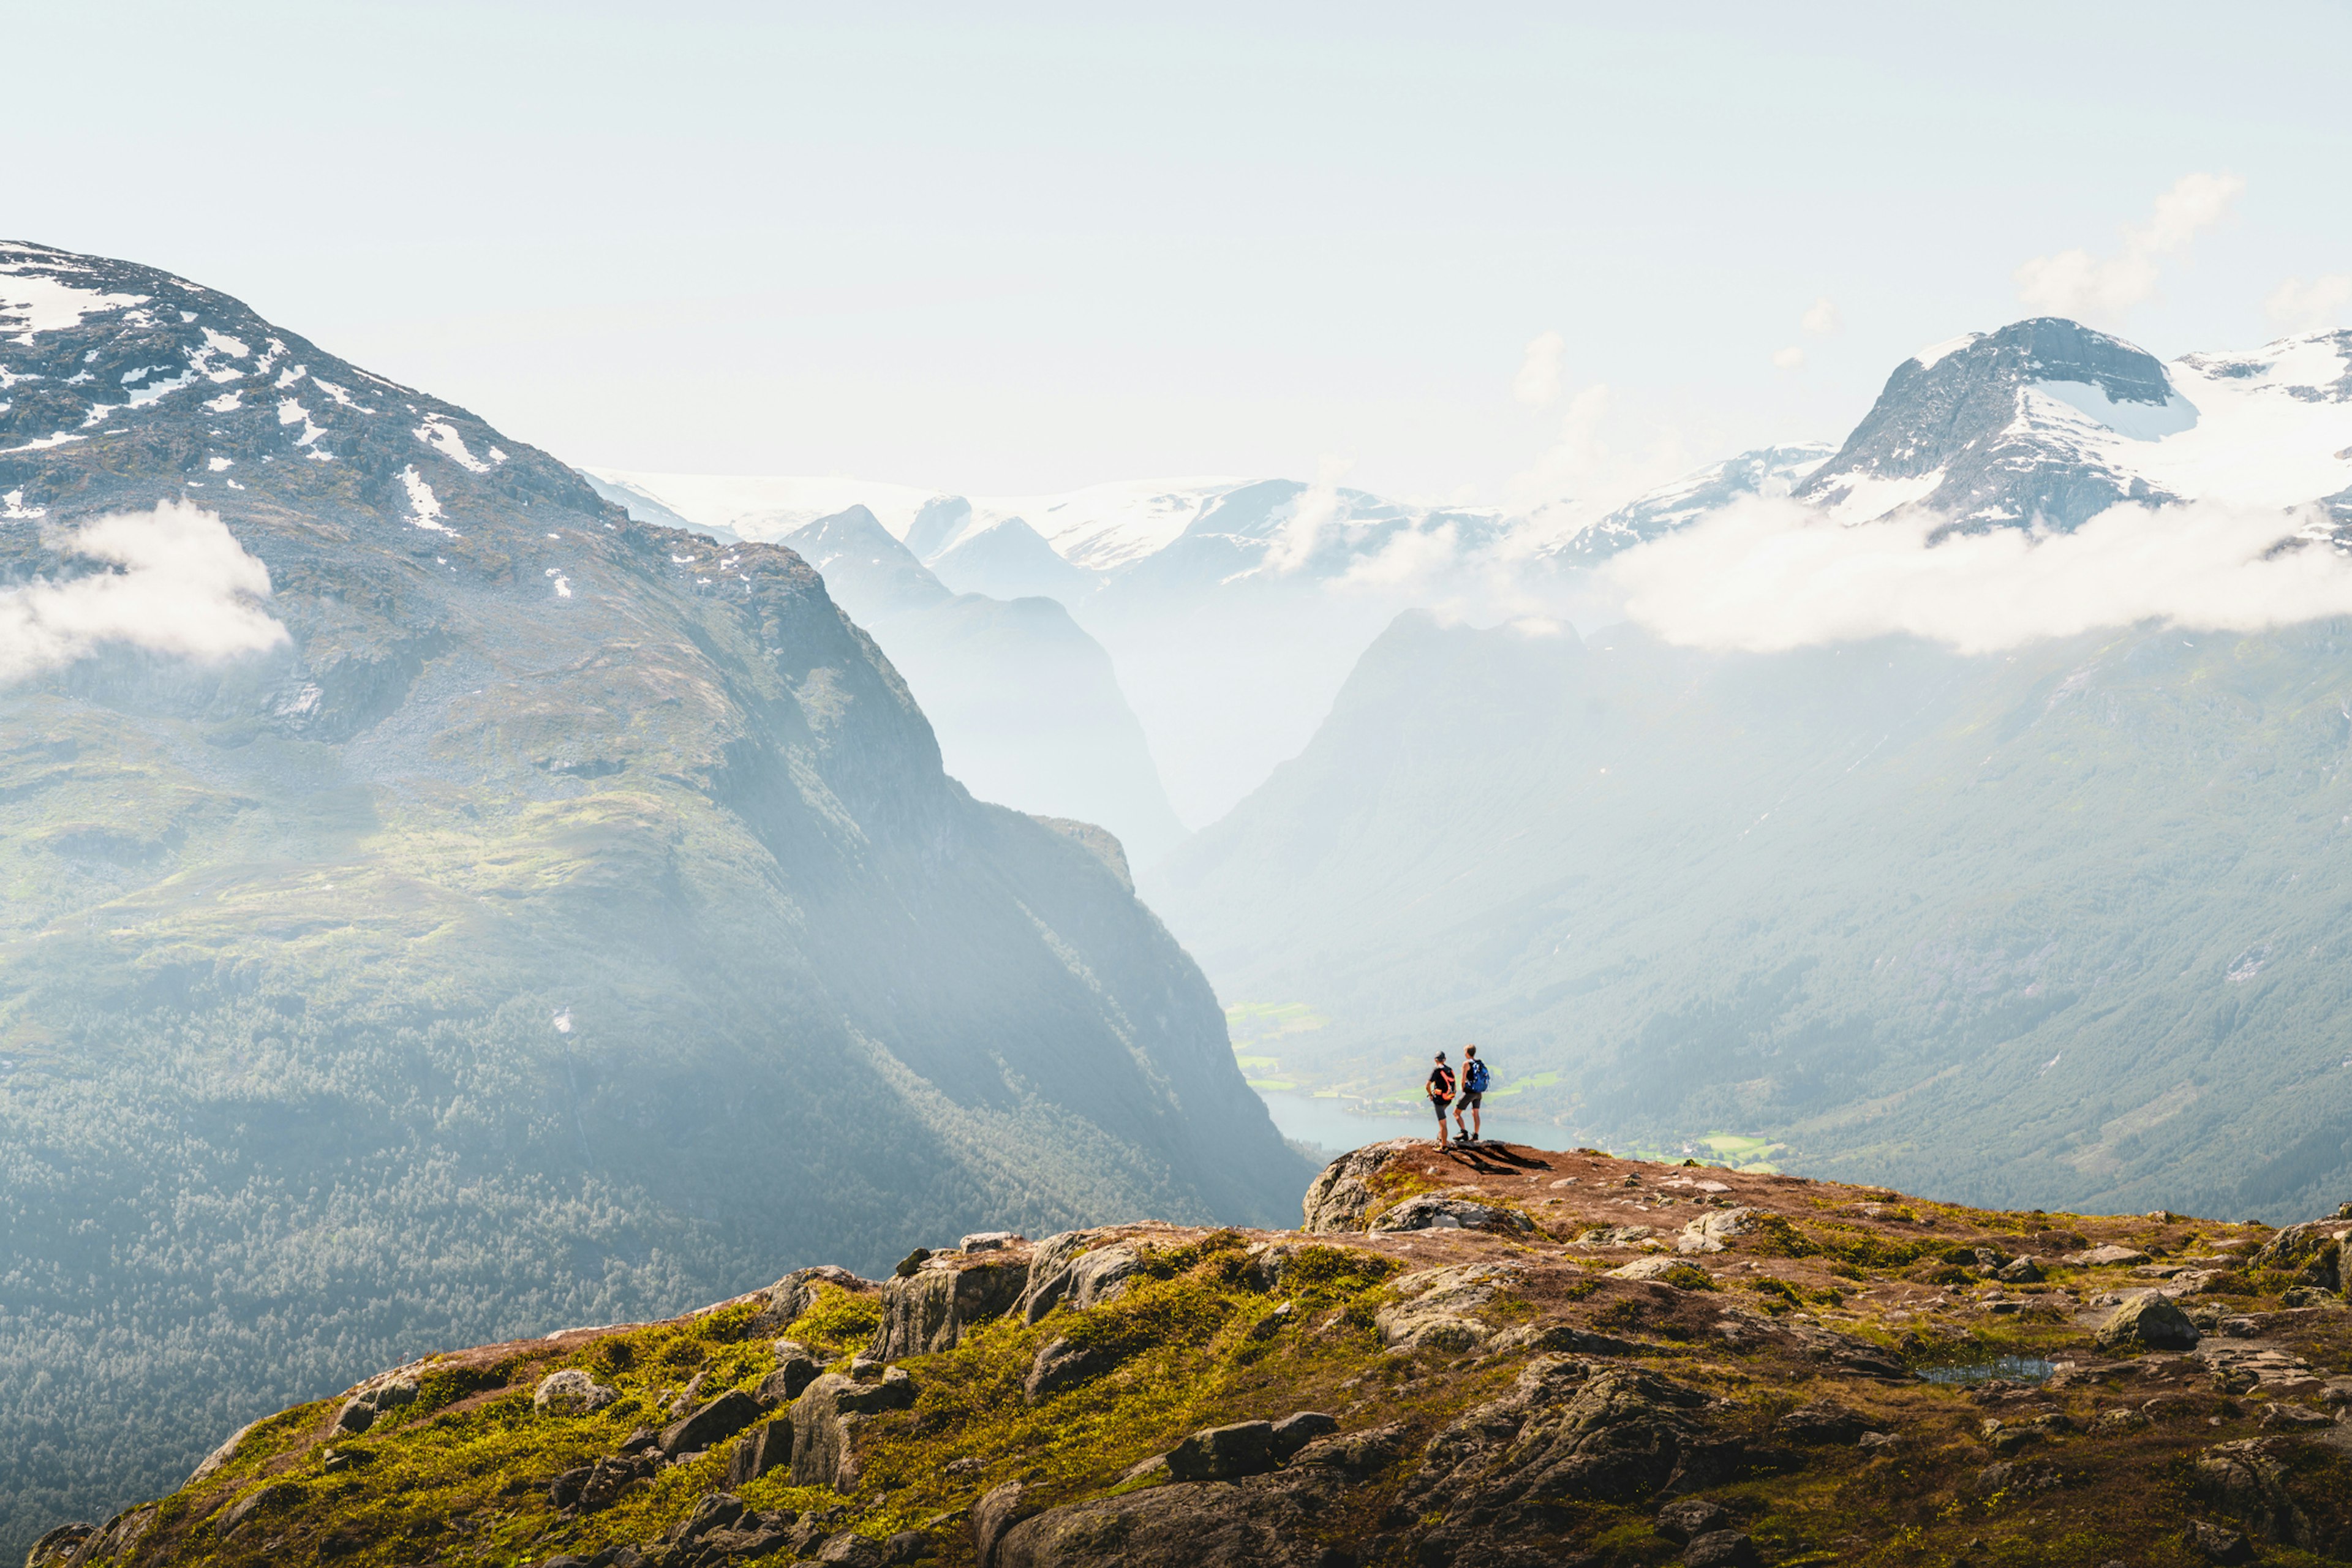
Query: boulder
(1223,1453)
(2216,1544)
(1279,1520)
(1721,1548)
(2019,1271)
(1820,1423)
(1062,1364)
(2148,1323)
(1677,1271)
(825,1419)
(1071,1267)
(992,1241)
(2102,1256)
(709,1424)
(1616,1236)
(1574,1430)
(795,1370)
(847,1549)
(1435,1210)
(767,1447)
(572,1391)
(927,1312)
(261,1500)
(373,1398)
(1293,1432)
(996,1512)
(213,1461)
(1341,1195)
(788,1298)
(1714,1231)
(2313,1252)
(1685,1519)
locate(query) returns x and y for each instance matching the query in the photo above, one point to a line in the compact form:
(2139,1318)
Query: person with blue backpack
(1475,1080)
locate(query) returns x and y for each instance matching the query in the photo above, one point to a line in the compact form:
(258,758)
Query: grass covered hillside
(441,908)
(2063,926)
(1495,1355)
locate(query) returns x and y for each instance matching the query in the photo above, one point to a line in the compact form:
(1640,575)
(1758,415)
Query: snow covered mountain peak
(2048,422)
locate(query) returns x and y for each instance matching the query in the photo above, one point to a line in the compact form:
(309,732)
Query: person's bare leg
(1478,1123)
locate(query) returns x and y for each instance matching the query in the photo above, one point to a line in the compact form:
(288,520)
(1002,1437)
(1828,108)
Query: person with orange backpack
(1440,1090)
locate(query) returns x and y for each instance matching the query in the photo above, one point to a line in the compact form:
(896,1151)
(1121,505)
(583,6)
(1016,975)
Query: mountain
(442,909)
(2046,422)
(1498,1354)
(1026,705)
(2061,926)
(1765,471)
(1230,608)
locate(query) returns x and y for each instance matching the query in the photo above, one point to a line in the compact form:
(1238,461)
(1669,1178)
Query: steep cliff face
(440,907)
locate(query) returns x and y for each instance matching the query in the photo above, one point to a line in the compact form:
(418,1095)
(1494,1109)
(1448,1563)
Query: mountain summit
(441,906)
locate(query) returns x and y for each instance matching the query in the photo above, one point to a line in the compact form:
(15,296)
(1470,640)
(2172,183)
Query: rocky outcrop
(1569,1431)
(1340,1198)
(2253,1479)
(927,1310)
(1435,1210)
(386,1391)
(1073,1266)
(1061,1363)
(767,1447)
(1264,1521)
(1435,1306)
(2312,1251)
(1223,1453)
(1712,1232)
(709,1424)
(571,1390)
(788,1298)
(826,1422)
(797,1368)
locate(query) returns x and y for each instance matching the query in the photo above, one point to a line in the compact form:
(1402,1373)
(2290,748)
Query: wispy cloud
(1791,358)
(1318,506)
(1822,318)
(2104,290)
(184,586)
(2310,307)
(1767,576)
(1538,380)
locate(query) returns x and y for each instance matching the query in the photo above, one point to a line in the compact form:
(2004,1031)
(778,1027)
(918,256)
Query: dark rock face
(2148,1321)
(1223,1453)
(1293,1433)
(765,1447)
(826,1420)
(1061,1364)
(1821,1422)
(544,784)
(711,1424)
(927,1309)
(1686,1519)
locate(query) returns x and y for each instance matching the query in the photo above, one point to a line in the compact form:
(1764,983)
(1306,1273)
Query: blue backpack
(1473,1077)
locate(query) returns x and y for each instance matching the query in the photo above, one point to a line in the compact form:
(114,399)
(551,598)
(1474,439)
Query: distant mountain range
(441,907)
(2062,924)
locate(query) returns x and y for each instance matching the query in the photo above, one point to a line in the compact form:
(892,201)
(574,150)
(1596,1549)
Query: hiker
(1441,1093)
(1474,1090)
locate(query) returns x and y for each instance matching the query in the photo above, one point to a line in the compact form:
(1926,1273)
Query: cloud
(183,585)
(1791,358)
(1318,506)
(1767,576)
(2077,283)
(1537,383)
(1823,319)
(2310,307)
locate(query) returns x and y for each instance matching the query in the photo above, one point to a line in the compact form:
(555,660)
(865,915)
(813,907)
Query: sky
(1496,255)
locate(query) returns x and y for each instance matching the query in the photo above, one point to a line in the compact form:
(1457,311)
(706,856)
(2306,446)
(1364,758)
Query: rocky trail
(1498,1356)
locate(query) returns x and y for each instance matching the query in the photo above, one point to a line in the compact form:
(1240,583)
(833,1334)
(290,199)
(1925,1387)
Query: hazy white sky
(1058,245)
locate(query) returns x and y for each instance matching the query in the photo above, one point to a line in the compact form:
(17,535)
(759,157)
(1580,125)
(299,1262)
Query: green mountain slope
(564,922)
(2065,927)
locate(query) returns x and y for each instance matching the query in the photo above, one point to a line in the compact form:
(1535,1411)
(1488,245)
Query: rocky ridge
(1583,1360)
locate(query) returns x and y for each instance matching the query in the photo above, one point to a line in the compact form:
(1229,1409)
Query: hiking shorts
(1470,1100)
(1442,1105)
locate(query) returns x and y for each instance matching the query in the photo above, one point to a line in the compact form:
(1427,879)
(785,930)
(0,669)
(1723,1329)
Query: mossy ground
(461,1475)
